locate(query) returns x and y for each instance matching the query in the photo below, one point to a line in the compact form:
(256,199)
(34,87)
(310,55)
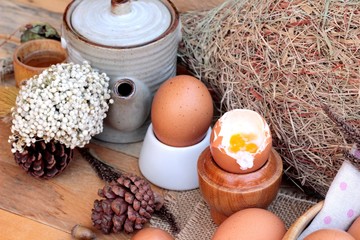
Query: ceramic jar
(135,43)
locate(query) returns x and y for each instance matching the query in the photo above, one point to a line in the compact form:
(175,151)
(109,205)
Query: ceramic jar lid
(121,23)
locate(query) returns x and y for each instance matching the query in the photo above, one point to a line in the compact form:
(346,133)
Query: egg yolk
(242,142)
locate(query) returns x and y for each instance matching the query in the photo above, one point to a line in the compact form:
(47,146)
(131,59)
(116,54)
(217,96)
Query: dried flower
(66,102)
(38,30)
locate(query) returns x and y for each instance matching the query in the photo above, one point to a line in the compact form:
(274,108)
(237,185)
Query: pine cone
(128,204)
(44,160)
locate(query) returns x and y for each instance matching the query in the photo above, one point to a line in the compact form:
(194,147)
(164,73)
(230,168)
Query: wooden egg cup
(227,193)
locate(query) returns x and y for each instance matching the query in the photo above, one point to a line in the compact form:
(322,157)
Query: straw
(285,60)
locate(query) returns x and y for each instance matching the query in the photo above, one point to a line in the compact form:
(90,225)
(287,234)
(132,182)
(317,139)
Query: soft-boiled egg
(240,141)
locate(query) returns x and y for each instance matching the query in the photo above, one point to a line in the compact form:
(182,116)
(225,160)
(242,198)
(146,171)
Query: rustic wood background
(48,209)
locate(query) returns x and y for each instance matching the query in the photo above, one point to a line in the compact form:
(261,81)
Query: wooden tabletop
(48,209)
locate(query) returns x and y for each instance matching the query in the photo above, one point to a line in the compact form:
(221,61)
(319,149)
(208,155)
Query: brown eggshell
(354,229)
(251,223)
(329,234)
(227,162)
(152,234)
(182,111)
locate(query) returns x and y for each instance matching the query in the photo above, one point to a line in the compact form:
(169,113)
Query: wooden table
(48,209)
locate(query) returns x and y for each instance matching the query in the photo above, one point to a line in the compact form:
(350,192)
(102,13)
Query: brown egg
(354,229)
(182,111)
(240,141)
(251,223)
(329,234)
(152,234)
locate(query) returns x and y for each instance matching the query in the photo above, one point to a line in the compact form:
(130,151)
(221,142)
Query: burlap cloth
(192,213)
(194,220)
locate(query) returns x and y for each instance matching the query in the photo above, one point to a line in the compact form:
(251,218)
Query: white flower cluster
(67,103)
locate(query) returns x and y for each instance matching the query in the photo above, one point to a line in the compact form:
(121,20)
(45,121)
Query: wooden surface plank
(14,15)
(56,6)
(61,202)
(27,229)
(48,209)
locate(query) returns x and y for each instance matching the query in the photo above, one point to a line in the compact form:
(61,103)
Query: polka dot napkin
(341,205)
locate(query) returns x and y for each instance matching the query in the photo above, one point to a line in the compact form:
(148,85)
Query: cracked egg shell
(240,141)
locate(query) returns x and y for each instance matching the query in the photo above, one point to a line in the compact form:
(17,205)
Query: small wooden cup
(302,222)
(227,193)
(33,57)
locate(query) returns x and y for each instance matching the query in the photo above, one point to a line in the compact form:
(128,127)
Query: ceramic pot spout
(131,107)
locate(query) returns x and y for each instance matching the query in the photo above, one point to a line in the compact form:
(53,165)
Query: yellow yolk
(241,142)
(236,143)
(251,147)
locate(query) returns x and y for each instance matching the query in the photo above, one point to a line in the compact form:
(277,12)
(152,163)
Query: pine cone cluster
(128,203)
(44,160)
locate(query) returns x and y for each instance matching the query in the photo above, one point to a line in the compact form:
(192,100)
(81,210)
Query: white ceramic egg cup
(172,168)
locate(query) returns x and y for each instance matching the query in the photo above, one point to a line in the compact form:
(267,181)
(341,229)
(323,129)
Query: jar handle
(120,7)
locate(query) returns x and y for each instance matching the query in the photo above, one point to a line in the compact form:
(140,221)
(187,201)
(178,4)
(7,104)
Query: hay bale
(295,62)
